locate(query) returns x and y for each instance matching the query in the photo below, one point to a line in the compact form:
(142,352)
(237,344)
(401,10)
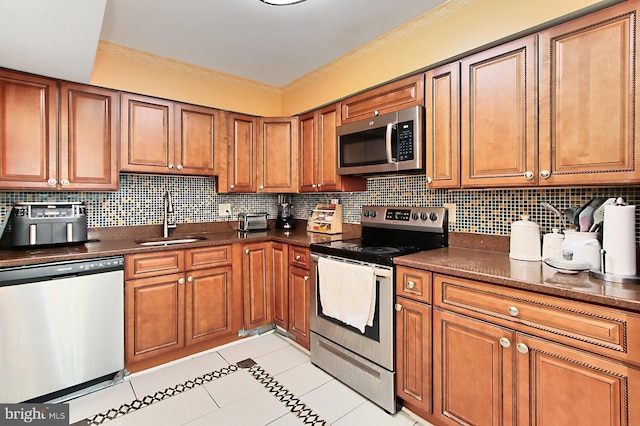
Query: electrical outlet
(224,210)
(451,207)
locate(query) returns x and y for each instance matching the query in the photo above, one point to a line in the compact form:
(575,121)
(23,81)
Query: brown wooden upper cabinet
(277,154)
(498,116)
(318,153)
(588,110)
(34,155)
(160,136)
(442,101)
(394,96)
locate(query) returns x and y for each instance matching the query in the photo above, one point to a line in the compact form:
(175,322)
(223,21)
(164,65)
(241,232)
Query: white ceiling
(247,38)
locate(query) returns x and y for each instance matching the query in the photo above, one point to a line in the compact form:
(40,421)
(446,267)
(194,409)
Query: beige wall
(454,28)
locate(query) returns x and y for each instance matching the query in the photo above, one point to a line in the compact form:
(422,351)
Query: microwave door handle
(388,140)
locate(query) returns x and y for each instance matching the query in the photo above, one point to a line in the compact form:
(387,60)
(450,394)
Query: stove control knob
(373,213)
(424,216)
(365,213)
(433,217)
(415,216)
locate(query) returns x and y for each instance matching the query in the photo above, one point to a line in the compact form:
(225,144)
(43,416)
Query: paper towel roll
(619,239)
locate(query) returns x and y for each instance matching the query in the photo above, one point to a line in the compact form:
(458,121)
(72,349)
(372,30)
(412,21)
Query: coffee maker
(285,218)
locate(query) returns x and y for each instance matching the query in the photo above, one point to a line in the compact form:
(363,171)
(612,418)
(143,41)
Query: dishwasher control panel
(55,270)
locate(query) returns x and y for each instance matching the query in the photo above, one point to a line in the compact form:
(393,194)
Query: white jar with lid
(552,244)
(582,246)
(525,240)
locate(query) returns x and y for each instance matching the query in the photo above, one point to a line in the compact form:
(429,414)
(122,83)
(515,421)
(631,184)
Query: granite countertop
(114,241)
(496,267)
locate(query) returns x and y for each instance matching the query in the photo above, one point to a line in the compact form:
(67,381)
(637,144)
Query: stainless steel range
(352,296)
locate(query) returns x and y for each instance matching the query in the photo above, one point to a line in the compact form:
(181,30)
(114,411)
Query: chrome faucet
(168,208)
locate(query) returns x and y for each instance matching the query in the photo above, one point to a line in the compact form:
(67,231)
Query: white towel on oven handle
(347,291)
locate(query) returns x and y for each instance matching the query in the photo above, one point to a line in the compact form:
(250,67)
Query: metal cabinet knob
(297,257)
(429,180)
(398,307)
(319,185)
(522,348)
(504,342)
(179,167)
(52,182)
(246,251)
(376,113)
(513,311)
(232,186)
(545,174)
(306,277)
(528,175)
(314,185)
(261,187)
(190,278)
(181,281)
(65,182)
(170,166)
(411,284)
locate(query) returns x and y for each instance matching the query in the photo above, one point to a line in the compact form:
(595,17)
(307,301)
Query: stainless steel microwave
(387,143)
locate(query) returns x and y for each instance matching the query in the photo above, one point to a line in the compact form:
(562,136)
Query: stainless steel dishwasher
(61,327)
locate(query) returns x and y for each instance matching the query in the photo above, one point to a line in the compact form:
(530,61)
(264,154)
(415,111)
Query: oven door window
(372,332)
(366,148)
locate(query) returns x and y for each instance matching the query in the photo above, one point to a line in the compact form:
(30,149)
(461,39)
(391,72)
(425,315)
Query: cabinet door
(498,110)
(28,132)
(394,96)
(442,101)
(154,316)
(196,136)
(278,155)
(279,254)
(472,371)
(308,151)
(257,284)
(241,173)
(299,305)
(588,112)
(558,385)
(147,134)
(413,354)
(208,304)
(89,150)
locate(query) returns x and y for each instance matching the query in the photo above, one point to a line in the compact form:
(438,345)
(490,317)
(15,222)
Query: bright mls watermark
(34,414)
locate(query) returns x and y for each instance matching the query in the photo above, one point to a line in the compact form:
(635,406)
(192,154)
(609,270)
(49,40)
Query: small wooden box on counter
(326,219)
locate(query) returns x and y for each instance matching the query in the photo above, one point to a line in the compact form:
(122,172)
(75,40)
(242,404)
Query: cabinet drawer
(152,264)
(413,284)
(611,332)
(208,257)
(400,94)
(299,256)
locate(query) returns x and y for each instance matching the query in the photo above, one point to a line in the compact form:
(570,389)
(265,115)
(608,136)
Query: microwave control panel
(405,141)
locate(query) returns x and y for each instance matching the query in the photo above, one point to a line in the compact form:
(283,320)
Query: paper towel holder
(601,275)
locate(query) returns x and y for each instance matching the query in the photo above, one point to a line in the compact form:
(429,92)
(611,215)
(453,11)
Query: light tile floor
(238,397)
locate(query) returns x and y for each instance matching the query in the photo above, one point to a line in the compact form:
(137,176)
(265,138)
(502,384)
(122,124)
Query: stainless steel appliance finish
(252,221)
(38,224)
(61,326)
(365,360)
(392,142)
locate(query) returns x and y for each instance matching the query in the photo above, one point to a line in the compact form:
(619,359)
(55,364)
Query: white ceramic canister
(525,240)
(584,246)
(552,244)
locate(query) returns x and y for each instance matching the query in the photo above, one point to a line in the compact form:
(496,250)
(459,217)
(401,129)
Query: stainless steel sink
(169,241)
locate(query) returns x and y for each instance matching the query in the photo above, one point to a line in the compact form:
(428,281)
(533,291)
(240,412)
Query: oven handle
(379,271)
(388,142)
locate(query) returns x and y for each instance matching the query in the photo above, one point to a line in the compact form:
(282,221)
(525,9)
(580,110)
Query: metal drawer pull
(504,342)
(411,284)
(513,311)
(398,307)
(522,348)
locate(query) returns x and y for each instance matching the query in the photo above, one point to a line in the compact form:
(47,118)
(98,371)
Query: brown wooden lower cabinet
(171,312)
(257,283)
(299,305)
(413,354)
(280,253)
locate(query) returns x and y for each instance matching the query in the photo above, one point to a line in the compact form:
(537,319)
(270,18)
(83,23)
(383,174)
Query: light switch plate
(451,207)
(224,209)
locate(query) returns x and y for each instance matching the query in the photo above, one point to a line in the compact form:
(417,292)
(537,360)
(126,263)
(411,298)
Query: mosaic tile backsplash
(139,202)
